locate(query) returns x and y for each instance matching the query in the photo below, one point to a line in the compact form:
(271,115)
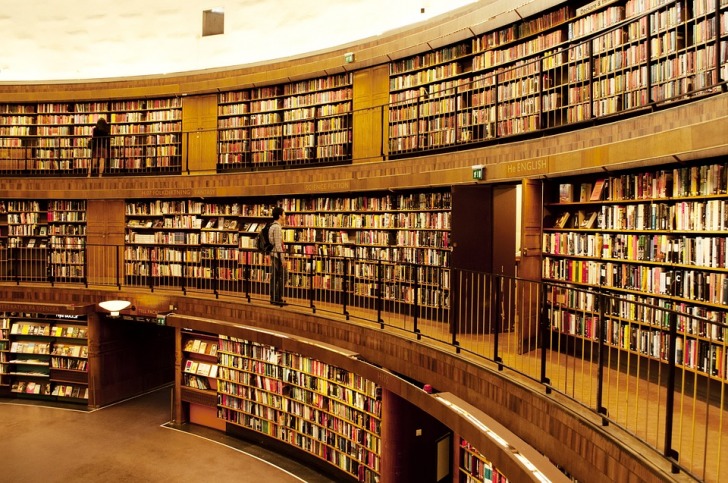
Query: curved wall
(572,438)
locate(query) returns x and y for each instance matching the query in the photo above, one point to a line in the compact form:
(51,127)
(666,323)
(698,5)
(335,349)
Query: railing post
(49,266)
(545,325)
(214,277)
(183,277)
(345,288)
(416,295)
(16,264)
(85,266)
(670,453)
(499,313)
(246,276)
(379,294)
(311,289)
(455,307)
(602,300)
(150,275)
(117,266)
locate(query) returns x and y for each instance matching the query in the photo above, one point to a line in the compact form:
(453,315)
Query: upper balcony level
(559,70)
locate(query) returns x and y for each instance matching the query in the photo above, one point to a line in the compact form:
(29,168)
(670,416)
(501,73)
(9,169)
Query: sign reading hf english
(525,168)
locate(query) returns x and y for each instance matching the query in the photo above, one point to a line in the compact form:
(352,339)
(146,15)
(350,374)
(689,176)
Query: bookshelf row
(648,238)
(190,239)
(561,66)
(321,409)
(306,121)
(44,356)
(474,467)
(55,136)
(44,238)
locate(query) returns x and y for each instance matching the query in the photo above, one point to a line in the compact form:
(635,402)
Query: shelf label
(593,6)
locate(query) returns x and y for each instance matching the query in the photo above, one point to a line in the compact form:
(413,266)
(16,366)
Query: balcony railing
(658,373)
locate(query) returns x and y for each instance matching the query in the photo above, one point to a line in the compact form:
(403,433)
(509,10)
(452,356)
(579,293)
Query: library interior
(504,250)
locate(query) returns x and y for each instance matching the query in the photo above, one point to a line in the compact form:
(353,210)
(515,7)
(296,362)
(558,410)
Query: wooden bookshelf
(17,126)
(656,237)
(199,368)
(563,66)
(379,234)
(146,135)
(5,352)
(323,410)
(301,123)
(53,137)
(42,240)
(47,357)
(210,244)
(27,241)
(67,240)
(474,467)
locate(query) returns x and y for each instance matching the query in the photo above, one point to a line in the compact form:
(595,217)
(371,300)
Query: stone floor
(131,441)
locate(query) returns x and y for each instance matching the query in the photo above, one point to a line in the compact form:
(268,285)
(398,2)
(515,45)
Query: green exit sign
(478,171)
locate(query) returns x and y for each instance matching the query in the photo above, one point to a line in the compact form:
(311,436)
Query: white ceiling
(52,40)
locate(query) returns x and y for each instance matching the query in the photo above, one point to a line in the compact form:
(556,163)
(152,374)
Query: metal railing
(649,365)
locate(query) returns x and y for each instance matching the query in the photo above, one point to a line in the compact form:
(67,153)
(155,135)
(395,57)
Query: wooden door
(529,267)
(472,259)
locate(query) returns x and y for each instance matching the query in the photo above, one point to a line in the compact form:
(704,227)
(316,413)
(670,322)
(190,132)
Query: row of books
(200,368)
(426,219)
(200,346)
(699,251)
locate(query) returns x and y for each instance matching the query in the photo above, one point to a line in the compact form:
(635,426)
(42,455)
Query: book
(566,193)
(203,369)
(596,193)
(562,219)
(589,220)
(585,190)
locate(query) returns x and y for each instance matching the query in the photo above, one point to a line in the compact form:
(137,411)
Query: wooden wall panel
(199,138)
(371,94)
(105,229)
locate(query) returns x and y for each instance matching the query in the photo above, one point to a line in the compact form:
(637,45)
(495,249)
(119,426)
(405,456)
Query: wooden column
(409,441)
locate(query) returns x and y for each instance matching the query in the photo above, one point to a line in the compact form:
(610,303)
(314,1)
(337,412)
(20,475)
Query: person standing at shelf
(277,257)
(100,145)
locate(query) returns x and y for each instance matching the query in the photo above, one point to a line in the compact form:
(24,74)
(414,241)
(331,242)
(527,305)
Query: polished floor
(131,441)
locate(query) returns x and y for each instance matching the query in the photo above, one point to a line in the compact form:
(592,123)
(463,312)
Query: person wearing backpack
(277,257)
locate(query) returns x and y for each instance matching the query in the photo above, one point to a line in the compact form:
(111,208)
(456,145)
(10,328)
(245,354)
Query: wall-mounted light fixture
(114,306)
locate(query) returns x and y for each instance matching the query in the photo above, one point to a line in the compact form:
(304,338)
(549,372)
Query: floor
(131,442)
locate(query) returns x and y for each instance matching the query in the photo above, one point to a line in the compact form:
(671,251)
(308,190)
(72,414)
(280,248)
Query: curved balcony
(657,401)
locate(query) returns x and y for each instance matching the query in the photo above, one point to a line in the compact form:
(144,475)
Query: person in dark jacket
(100,145)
